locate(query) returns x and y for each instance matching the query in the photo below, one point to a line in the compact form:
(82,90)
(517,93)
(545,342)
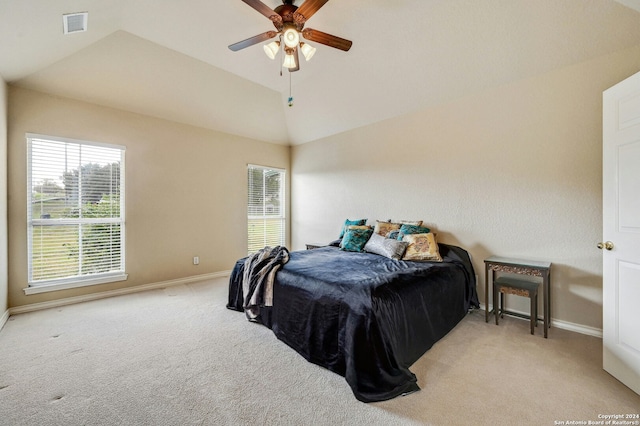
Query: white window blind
(266,207)
(75,211)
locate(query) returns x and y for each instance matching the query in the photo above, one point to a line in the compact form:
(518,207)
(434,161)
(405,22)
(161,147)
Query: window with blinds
(266,208)
(75,212)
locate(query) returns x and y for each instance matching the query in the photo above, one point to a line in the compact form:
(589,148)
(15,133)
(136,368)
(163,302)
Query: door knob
(607,245)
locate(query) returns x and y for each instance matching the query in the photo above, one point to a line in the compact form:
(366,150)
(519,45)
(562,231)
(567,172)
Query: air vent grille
(75,22)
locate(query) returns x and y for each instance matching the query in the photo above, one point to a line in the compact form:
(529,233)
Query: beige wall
(185,189)
(3,200)
(513,171)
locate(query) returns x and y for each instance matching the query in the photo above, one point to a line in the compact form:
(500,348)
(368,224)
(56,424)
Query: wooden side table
(523,267)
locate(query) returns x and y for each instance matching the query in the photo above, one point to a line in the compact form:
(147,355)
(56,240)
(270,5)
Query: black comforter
(363,316)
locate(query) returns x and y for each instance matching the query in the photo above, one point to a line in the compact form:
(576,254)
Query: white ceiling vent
(75,22)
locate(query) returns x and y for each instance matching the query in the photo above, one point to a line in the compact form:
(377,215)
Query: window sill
(44,288)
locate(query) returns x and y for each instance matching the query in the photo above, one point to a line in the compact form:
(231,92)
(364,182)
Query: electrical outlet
(196,260)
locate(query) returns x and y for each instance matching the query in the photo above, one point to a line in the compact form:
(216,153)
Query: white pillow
(387,247)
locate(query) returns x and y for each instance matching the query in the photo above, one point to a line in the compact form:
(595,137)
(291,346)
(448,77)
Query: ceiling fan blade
(309,8)
(327,39)
(261,7)
(265,10)
(252,40)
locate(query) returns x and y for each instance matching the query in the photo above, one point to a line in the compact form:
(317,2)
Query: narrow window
(266,207)
(75,207)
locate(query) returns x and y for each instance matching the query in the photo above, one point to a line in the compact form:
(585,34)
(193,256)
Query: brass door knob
(607,245)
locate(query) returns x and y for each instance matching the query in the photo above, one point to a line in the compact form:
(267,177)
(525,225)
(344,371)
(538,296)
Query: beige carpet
(178,357)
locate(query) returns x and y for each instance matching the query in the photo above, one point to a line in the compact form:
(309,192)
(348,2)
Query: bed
(365,316)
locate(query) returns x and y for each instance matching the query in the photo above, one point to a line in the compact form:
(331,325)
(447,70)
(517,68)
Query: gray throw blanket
(257,279)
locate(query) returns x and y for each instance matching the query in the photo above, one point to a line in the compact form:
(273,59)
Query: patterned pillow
(410,222)
(383,228)
(422,247)
(351,222)
(355,239)
(412,229)
(393,234)
(358,227)
(386,247)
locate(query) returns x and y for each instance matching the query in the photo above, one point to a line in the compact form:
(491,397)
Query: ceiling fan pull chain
(290,100)
(280,49)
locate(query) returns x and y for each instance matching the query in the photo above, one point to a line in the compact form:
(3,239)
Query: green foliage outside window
(98,187)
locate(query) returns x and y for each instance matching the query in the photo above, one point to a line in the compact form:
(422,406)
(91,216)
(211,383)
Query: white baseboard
(578,328)
(4,318)
(111,293)
(564,325)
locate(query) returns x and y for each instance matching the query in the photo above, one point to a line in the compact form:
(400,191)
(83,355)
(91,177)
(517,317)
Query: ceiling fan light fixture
(272,49)
(289,21)
(291,37)
(289,60)
(307,50)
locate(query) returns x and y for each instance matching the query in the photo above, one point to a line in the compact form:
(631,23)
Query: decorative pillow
(410,222)
(351,222)
(393,234)
(355,239)
(393,249)
(412,229)
(358,227)
(383,228)
(421,247)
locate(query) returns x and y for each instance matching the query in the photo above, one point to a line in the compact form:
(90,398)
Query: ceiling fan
(289,21)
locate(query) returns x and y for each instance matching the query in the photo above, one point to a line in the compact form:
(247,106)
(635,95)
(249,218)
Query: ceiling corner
(633,4)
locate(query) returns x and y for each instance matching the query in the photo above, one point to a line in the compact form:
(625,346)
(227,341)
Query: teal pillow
(411,229)
(355,239)
(348,222)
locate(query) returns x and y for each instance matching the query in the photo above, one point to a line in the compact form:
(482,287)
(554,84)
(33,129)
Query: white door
(621,231)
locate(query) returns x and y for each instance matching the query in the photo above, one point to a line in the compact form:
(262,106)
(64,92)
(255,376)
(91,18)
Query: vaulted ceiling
(169,59)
